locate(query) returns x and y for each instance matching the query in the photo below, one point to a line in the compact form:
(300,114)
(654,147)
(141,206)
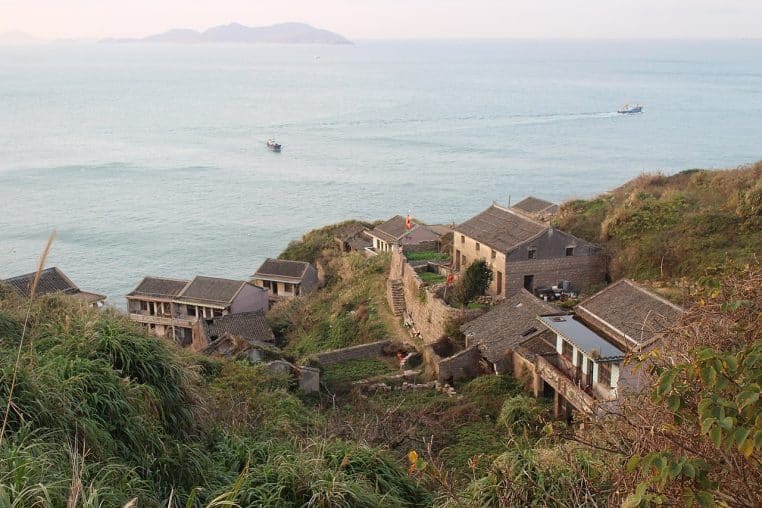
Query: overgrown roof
(211,290)
(532,204)
(251,326)
(158,287)
(282,268)
(501,228)
(349,231)
(52,280)
(507,325)
(636,313)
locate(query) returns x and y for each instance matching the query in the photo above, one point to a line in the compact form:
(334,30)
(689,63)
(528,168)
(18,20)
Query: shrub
(474,282)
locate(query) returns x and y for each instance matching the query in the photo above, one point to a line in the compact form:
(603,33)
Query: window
(191,310)
(287,287)
(465,261)
(532,252)
(566,350)
(477,246)
(570,251)
(217,312)
(462,239)
(604,374)
(494,254)
(143,305)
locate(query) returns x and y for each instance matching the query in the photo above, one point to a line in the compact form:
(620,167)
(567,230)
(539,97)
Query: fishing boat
(272,145)
(627,109)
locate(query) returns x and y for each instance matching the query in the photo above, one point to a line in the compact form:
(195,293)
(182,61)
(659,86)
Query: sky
(396,19)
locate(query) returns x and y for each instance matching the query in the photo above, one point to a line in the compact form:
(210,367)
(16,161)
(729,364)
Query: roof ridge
(518,214)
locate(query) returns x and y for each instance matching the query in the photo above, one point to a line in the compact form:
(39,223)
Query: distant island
(282,33)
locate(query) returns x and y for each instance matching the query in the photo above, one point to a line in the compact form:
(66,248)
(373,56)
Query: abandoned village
(548,317)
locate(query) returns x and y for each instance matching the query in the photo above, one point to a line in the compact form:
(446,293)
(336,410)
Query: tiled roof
(282,268)
(211,290)
(501,228)
(158,287)
(536,205)
(392,229)
(360,241)
(251,326)
(52,280)
(632,310)
(507,325)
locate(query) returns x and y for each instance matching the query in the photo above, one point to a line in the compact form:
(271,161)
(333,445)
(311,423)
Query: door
(499,283)
(529,283)
(457,260)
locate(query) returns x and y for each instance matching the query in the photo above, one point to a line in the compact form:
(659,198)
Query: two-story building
(171,307)
(53,281)
(525,253)
(588,367)
(286,279)
(395,232)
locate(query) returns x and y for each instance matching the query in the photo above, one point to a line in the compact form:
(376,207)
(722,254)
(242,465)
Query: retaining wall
(352,353)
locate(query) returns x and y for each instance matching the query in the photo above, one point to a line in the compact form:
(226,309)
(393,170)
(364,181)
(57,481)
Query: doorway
(529,283)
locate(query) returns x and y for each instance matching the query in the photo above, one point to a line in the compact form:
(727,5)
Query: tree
(473,283)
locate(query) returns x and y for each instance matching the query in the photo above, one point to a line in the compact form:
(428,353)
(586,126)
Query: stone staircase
(396,296)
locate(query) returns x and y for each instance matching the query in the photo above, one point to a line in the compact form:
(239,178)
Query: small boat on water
(272,145)
(627,109)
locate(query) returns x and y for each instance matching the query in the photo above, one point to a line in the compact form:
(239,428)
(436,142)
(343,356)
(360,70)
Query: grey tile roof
(158,287)
(632,310)
(584,338)
(532,204)
(540,344)
(282,268)
(501,228)
(52,280)
(360,241)
(251,326)
(392,229)
(211,290)
(507,325)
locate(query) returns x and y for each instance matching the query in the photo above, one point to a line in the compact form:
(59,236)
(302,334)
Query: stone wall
(428,313)
(352,353)
(459,367)
(582,271)
(432,246)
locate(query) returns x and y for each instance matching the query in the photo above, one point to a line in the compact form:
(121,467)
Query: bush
(474,282)
(522,415)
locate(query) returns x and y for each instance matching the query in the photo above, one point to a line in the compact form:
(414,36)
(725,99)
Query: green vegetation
(354,370)
(351,311)
(687,224)
(474,282)
(102,414)
(427,256)
(432,278)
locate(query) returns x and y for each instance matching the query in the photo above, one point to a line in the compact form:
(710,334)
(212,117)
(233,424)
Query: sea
(151,159)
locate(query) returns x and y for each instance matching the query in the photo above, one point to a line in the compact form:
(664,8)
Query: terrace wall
(352,353)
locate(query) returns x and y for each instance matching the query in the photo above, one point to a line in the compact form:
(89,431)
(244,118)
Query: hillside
(666,227)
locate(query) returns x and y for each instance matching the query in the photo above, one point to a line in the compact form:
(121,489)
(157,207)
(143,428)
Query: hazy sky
(360,19)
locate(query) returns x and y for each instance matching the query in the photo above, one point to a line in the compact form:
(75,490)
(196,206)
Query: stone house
(536,208)
(286,279)
(508,327)
(394,232)
(252,327)
(53,281)
(171,307)
(525,253)
(588,365)
(353,237)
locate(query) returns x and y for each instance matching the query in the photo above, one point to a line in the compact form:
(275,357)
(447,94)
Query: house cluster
(576,358)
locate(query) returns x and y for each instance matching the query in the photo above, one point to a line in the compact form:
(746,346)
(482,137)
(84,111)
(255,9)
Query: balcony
(148,319)
(564,381)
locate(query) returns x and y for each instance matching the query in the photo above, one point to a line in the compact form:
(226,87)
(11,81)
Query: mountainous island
(281,33)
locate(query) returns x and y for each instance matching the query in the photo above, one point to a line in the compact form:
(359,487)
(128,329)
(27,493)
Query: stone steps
(397,297)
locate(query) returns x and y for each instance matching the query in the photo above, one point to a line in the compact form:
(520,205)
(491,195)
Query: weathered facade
(525,253)
(53,281)
(286,279)
(172,307)
(588,367)
(353,237)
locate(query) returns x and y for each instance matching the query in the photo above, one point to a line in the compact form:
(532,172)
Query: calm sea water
(151,159)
